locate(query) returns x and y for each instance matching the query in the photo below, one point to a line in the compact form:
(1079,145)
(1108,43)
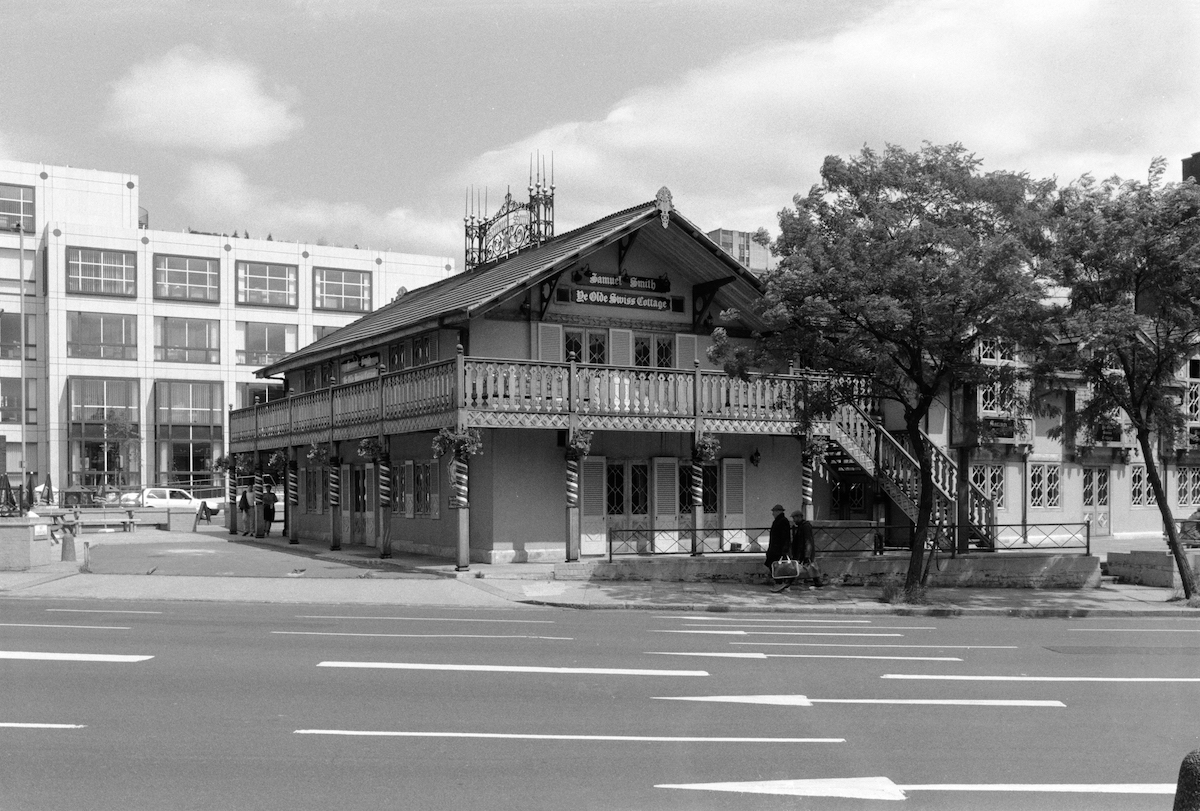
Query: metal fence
(851,540)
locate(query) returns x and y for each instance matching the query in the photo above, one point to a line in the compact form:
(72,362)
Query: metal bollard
(1187,789)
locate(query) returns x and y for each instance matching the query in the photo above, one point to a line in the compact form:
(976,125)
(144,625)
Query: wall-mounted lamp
(755,457)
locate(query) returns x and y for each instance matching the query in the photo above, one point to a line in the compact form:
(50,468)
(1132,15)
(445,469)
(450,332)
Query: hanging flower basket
(224,464)
(580,444)
(371,448)
(460,444)
(318,454)
(706,449)
(277,465)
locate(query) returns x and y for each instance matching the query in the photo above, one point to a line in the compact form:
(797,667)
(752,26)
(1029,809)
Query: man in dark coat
(779,541)
(804,547)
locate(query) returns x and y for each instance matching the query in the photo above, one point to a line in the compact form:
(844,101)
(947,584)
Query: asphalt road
(293,707)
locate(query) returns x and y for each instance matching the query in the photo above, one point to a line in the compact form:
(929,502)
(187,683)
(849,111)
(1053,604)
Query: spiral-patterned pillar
(293,485)
(258,486)
(385,484)
(230,487)
(335,486)
(458,483)
(806,485)
(697,506)
(231,508)
(572,482)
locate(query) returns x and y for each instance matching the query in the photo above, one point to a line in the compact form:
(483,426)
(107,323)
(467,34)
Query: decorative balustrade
(525,387)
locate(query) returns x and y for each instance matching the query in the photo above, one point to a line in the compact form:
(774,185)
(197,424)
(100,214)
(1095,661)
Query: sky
(366,122)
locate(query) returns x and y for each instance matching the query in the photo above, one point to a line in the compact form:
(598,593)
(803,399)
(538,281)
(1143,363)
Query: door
(1096,508)
(666,506)
(358,503)
(733,504)
(627,505)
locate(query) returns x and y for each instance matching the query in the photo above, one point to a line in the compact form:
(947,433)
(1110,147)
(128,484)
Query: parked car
(171,497)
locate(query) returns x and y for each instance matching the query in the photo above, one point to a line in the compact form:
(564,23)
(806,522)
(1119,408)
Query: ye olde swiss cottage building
(602,331)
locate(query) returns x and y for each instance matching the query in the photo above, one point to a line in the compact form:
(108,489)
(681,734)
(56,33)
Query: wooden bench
(104,522)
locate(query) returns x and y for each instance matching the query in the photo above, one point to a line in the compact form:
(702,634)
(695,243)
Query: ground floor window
(187,461)
(847,499)
(990,479)
(1044,485)
(316,490)
(709,487)
(1095,487)
(1141,494)
(1188,486)
(424,489)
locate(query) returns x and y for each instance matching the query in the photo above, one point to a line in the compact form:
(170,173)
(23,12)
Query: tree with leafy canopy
(895,267)
(1127,254)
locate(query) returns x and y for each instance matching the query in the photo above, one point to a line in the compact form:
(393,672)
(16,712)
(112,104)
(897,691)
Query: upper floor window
(997,351)
(348,290)
(187,278)
(16,205)
(104,400)
(424,350)
(1044,485)
(187,340)
(10,400)
(10,336)
(654,350)
(266,285)
(588,346)
(109,336)
(320,332)
(99,272)
(178,402)
(265,343)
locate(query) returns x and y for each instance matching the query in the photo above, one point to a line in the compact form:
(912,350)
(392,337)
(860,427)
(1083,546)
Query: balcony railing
(524,387)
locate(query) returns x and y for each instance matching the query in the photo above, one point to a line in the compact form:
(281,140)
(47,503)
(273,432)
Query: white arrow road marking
(805,701)
(99,611)
(42,726)
(771,633)
(1138,680)
(595,671)
(805,656)
(70,657)
(426,636)
(881,788)
(520,736)
(76,627)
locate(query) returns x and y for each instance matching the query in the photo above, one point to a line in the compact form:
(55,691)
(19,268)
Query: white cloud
(220,196)
(1052,88)
(191,99)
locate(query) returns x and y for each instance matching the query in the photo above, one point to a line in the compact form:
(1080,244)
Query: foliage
(1128,252)
(460,444)
(223,464)
(277,465)
(318,454)
(371,448)
(580,444)
(894,268)
(706,449)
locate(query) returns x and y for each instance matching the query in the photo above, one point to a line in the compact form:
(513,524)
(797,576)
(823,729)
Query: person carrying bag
(804,549)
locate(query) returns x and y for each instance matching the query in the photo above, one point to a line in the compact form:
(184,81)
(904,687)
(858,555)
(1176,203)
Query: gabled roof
(457,298)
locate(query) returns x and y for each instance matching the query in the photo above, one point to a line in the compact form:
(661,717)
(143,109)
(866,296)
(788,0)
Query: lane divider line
(593,671)
(71,657)
(530,737)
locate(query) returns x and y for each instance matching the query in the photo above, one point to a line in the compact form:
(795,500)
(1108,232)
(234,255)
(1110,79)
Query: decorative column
(383,468)
(579,445)
(335,502)
(293,498)
(459,503)
(231,495)
(806,486)
(697,504)
(259,528)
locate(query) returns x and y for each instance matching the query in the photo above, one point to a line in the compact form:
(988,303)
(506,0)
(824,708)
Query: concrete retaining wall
(1150,568)
(1013,570)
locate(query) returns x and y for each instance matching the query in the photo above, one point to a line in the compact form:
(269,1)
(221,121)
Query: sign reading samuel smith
(660,285)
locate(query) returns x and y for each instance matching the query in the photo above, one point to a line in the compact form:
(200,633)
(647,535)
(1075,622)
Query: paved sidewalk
(212,565)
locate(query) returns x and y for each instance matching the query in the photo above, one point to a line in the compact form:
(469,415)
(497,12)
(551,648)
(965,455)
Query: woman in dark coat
(780,539)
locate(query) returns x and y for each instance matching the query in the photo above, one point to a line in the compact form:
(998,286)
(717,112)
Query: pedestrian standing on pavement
(269,498)
(244,510)
(779,541)
(804,549)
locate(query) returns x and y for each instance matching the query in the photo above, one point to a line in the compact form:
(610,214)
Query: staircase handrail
(980,507)
(889,445)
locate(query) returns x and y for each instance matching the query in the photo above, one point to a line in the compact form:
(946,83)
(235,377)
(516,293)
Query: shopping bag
(810,570)
(784,569)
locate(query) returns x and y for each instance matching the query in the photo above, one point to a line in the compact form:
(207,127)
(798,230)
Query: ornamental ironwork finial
(663,201)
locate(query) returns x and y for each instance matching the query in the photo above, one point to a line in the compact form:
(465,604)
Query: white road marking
(764,620)
(724,655)
(419,619)
(874,645)
(99,611)
(519,736)
(1137,680)
(805,701)
(881,788)
(596,671)
(1141,630)
(769,633)
(42,726)
(819,626)
(71,657)
(76,627)
(426,636)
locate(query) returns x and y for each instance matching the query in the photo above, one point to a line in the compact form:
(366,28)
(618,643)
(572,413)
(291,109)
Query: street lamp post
(20,228)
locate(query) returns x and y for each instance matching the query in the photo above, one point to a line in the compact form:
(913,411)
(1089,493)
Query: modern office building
(741,246)
(137,342)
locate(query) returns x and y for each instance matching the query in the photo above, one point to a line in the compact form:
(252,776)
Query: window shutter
(409,506)
(733,501)
(435,489)
(550,343)
(665,515)
(686,347)
(593,523)
(620,347)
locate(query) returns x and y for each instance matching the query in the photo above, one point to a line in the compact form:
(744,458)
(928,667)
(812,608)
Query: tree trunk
(924,502)
(1186,575)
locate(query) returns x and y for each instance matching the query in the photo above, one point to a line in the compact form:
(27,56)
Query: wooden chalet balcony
(496,393)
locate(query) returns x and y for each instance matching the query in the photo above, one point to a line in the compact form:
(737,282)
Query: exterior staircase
(861,446)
